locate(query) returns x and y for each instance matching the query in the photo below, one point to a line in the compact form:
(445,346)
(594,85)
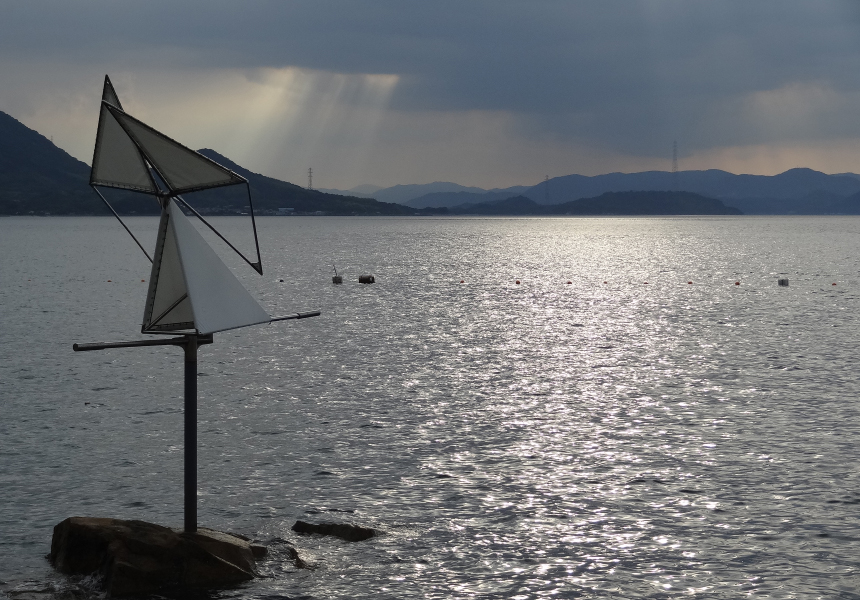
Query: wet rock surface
(345,531)
(136,557)
(279,550)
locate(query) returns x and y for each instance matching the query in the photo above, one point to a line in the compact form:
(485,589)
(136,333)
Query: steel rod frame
(301,315)
(177,341)
(121,222)
(257,266)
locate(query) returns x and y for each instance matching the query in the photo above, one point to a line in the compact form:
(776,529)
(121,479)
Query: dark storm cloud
(618,73)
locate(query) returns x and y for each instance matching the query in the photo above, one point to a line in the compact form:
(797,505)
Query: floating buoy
(461,281)
(834,284)
(782,282)
(142,280)
(689,283)
(646,283)
(335,278)
(604,282)
(366,279)
(569,282)
(280,281)
(737,282)
(109,281)
(518,282)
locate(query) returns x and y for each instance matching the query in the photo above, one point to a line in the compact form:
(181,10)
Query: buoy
(834,284)
(518,282)
(782,282)
(366,279)
(569,282)
(737,282)
(646,283)
(689,283)
(280,280)
(461,281)
(335,278)
(142,280)
(109,281)
(604,282)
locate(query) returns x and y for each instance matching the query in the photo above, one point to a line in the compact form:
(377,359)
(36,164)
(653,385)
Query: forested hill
(271,194)
(38,178)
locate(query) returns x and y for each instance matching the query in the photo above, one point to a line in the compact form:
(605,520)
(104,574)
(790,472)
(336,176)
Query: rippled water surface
(603,438)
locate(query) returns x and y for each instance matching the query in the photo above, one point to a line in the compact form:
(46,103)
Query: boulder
(135,557)
(345,531)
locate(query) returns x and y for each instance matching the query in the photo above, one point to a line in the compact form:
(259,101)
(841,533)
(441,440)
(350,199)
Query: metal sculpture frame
(190,341)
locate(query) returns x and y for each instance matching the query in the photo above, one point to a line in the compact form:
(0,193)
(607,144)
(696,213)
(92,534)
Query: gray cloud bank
(621,77)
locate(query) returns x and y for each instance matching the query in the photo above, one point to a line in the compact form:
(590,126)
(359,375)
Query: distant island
(38,178)
(610,203)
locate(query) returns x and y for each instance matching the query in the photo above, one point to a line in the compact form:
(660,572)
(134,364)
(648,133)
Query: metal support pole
(189,343)
(191,434)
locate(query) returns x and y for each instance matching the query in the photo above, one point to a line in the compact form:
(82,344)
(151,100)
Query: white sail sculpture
(190,289)
(191,293)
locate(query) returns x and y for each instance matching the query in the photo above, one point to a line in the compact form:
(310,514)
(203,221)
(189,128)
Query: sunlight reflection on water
(586,440)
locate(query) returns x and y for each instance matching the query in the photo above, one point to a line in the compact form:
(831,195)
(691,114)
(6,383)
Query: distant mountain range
(796,191)
(437,194)
(37,177)
(271,195)
(361,191)
(413,195)
(610,203)
(450,199)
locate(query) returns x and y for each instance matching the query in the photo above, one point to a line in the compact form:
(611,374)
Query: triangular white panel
(168,307)
(182,169)
(219,301)
(117,162)
(109,94)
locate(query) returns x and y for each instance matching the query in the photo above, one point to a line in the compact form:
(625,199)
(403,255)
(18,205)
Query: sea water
(670,422)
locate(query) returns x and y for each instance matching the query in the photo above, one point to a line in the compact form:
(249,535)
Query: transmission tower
(546,189)
(310,178)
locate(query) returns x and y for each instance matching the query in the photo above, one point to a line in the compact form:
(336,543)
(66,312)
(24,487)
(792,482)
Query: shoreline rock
(136,557)
(345,531)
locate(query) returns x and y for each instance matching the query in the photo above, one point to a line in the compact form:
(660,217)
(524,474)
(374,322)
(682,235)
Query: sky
(488,93)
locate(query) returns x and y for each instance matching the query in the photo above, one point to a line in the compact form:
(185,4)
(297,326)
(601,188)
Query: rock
(280,546)
(135,557)
(345,531)
(259,551)
(298,560)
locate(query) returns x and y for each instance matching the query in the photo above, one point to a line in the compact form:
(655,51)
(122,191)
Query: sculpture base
(136,558)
